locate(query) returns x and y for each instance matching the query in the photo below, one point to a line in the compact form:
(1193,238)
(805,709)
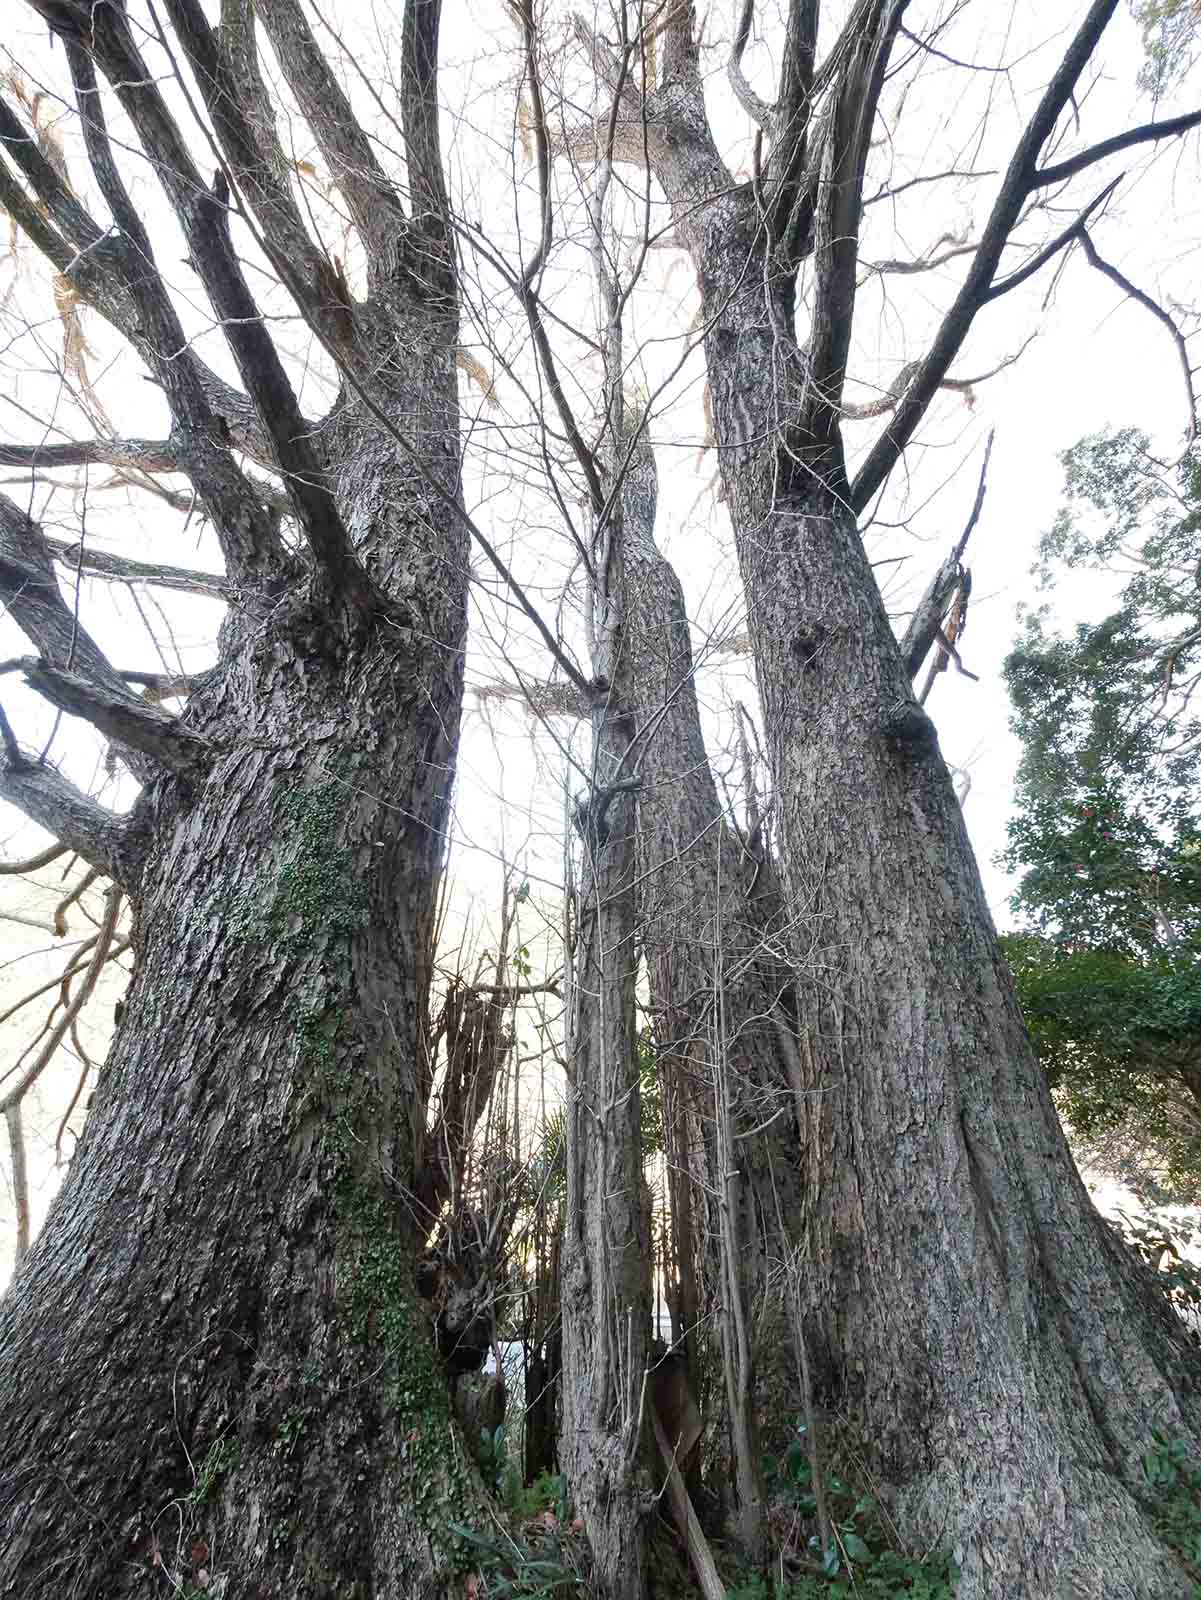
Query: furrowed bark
(606,1240)
(606,1263)
(116,845)
(721,994)
(971,1323)
(124,717)
(239,1203)
(235,1389)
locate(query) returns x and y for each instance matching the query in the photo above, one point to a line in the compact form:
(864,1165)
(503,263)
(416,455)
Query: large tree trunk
(997,1358)
(214,1374)
(998,1355)
(212,1357)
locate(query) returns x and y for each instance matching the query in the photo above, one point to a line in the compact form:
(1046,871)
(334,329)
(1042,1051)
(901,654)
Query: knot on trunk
(907,725)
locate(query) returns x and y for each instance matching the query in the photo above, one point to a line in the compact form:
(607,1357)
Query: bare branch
(926,263)
(370,194)
(130,455)
(58,1033)
(12,750)
(275,400)
(681,55)
(606,64)
(756,108)
(98,260)
(73,673)
(1020,177)
(78,961)
(20,1177)
(925,625)
(160,686)
(145,455)
(855,412)
(30,590)
(71,898)
(790,219)
(87,1066)
(1095,259)
(124,569)
(525,11)
(114,844)
(1149,132)
(284,235)
(927,48)
(204,218)
(885,193)
(1072,233)
(845,143)
(63,209)
(144,313)
(10,869)
(419,109)
(947,649)
(124,717)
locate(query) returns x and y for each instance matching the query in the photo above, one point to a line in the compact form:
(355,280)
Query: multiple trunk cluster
(212,1368)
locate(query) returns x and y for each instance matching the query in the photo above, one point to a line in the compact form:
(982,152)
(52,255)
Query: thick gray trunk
(212,1367)
(1000,1361)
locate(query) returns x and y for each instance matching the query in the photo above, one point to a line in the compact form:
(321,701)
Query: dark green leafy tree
(1106,835)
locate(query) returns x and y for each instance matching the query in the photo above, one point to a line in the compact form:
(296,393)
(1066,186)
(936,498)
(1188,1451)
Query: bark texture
(972,1323)
(606,1238)
(213,1375)
(218,1320)
(721,995)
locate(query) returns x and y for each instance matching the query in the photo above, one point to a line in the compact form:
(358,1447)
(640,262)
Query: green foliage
(1107,834)
(316,894)
(523,1501)
(377,1294)
(220,1457)
(521,1569)
(548,1492)
(888,1577)
(491,1457)
(1160,1244)
(544,1178)
(317,891)
(1170,33)
(1173,1478)
(860,1562)
(1109,1029)
(291,1431)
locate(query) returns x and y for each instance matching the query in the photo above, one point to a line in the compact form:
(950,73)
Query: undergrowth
(859,1560)
(1174,1479)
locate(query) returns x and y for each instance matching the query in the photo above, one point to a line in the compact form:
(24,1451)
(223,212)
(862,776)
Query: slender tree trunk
(721,994)
(606,1237)
(606,1244)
